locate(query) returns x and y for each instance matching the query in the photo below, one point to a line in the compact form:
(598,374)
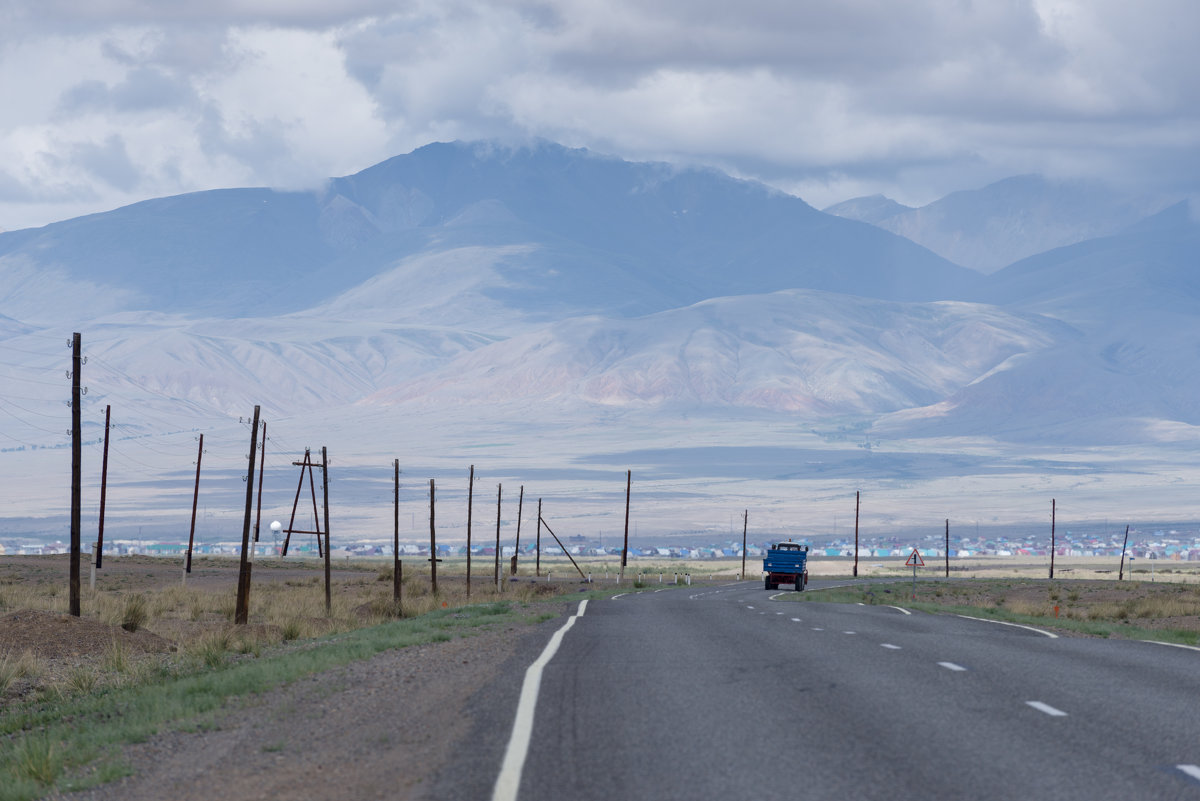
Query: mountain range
(466,300)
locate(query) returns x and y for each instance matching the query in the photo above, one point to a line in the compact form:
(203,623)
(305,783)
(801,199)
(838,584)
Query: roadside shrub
(38,758)
(135,612)
(8,673)
(212,648)
(116,657)
(81,681)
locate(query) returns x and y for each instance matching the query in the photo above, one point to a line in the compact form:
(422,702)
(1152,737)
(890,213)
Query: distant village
(1171,544)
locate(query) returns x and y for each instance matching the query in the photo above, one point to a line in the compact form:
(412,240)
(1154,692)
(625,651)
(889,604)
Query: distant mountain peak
(1006,221)
(872,209)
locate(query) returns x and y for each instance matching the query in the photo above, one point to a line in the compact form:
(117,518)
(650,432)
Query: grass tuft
(39,759)
(135,613)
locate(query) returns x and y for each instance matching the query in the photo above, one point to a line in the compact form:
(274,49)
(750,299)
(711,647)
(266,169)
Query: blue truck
(786,563)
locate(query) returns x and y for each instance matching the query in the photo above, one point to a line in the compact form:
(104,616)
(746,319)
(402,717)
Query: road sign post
(915,561)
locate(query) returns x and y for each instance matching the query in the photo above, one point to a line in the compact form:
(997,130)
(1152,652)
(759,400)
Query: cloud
(107,161)
(913,99)
(143,89)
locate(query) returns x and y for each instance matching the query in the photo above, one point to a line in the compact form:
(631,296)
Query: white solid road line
(952,666)
(618,595)
(1049,634)
(509,780)
(1049,710)
(1172,644)
(1190,770)
(900,609)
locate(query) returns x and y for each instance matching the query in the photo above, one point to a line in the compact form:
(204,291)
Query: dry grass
(195,620)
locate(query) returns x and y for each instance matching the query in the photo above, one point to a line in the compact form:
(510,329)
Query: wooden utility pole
(308,464)
(625,548)
(1053,515)
(470,503)
(325,499)
(947,547)
(857,494)
(432,544)
(537,565)
(499,490)
(396,537)
(98,557)
(1121,572)
(76,468)
(745,523)
(261,466)
(241,613)
(517,543)
(187,567)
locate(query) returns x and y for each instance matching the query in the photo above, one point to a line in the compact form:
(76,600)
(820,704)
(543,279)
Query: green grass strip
(48,744)
(1095,628)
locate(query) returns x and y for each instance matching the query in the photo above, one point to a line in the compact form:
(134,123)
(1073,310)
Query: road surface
(731,692)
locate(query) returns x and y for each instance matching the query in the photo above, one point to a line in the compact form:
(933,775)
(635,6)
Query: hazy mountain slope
(596,235)
(1139,272)
(873,209)
(222,252)
(1133,372)
(812,353)
(989,228)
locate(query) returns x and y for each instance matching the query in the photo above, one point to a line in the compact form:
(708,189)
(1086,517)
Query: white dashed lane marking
(1049,710)
(1190,770)
(951,666)
(889,646)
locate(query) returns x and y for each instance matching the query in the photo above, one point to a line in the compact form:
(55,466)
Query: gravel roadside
(381,728)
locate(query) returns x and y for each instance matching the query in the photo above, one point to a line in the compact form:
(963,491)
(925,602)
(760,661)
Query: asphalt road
(723,693)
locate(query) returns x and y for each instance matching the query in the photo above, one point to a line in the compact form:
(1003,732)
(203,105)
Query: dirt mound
(54,635)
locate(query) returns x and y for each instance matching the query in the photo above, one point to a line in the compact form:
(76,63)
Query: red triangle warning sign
(914,559)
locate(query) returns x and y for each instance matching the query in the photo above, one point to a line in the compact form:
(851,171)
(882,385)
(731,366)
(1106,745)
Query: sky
(107,102)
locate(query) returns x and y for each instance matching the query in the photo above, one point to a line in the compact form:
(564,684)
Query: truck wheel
(800,583)
(766,584)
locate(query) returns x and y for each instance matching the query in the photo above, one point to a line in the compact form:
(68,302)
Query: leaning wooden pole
(564,550)
(98,557)
(187,568)
(242,611)
(537,564)
(76,468)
